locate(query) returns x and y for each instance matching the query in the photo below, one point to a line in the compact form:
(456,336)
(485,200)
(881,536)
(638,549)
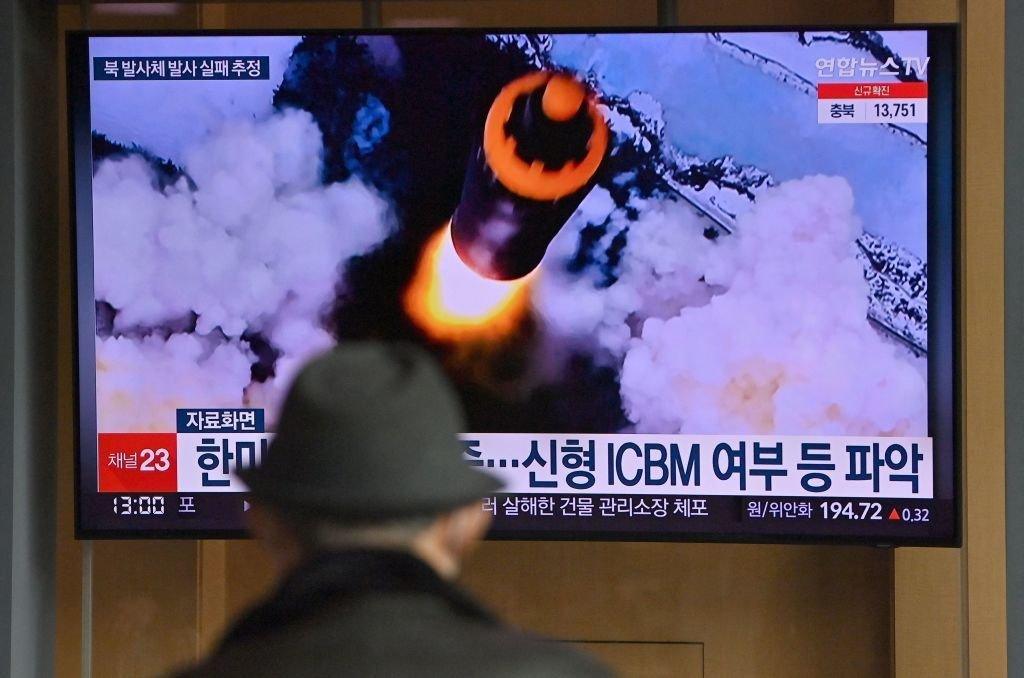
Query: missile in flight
(543,143)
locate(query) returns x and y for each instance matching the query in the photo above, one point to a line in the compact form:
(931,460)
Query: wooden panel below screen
(758,610)
(649,660)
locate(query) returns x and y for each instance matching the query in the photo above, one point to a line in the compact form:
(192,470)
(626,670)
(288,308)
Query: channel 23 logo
(137,462)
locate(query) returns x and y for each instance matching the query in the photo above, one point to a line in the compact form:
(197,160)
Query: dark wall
(28,327)
(1015,336)
(6,326)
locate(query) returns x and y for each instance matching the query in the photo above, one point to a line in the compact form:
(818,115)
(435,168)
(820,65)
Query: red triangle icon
(894,515)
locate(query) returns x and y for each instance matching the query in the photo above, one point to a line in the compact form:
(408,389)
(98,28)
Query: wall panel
(758,610)
(781,12)
(519,13)
(983,568)
(145,607)
(266,15)
(956,625)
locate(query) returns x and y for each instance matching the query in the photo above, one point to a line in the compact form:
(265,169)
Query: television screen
(690,285)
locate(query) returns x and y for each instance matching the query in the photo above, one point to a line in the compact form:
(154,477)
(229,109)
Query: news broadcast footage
(681,280)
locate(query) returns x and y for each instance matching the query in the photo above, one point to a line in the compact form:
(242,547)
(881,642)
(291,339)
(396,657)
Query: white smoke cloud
(659,273)
(299,340)
(785,347)
(258,244)
(141,382)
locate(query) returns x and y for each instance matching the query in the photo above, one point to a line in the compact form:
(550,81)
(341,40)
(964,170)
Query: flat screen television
(691,284)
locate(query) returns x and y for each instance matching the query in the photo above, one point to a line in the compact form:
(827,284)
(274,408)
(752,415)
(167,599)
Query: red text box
(138,462)
(873,90)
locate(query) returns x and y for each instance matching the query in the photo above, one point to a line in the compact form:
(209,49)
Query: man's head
(366,456)
(442,541)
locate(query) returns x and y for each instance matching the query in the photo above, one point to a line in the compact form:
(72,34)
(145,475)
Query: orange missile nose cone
(562,98)
(562,101)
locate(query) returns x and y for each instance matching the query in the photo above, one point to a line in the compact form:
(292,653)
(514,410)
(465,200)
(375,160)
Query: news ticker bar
(622,514)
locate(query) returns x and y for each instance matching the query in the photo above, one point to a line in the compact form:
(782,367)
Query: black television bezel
(948,125)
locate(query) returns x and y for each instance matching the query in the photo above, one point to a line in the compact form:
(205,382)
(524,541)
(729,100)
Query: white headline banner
(790,466)
(783,466)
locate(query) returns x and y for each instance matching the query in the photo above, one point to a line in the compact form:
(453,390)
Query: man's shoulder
(399,637)
(541,658)
(422,626)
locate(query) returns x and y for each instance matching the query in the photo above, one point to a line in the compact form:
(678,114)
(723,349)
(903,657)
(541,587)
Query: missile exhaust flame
(451,302)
